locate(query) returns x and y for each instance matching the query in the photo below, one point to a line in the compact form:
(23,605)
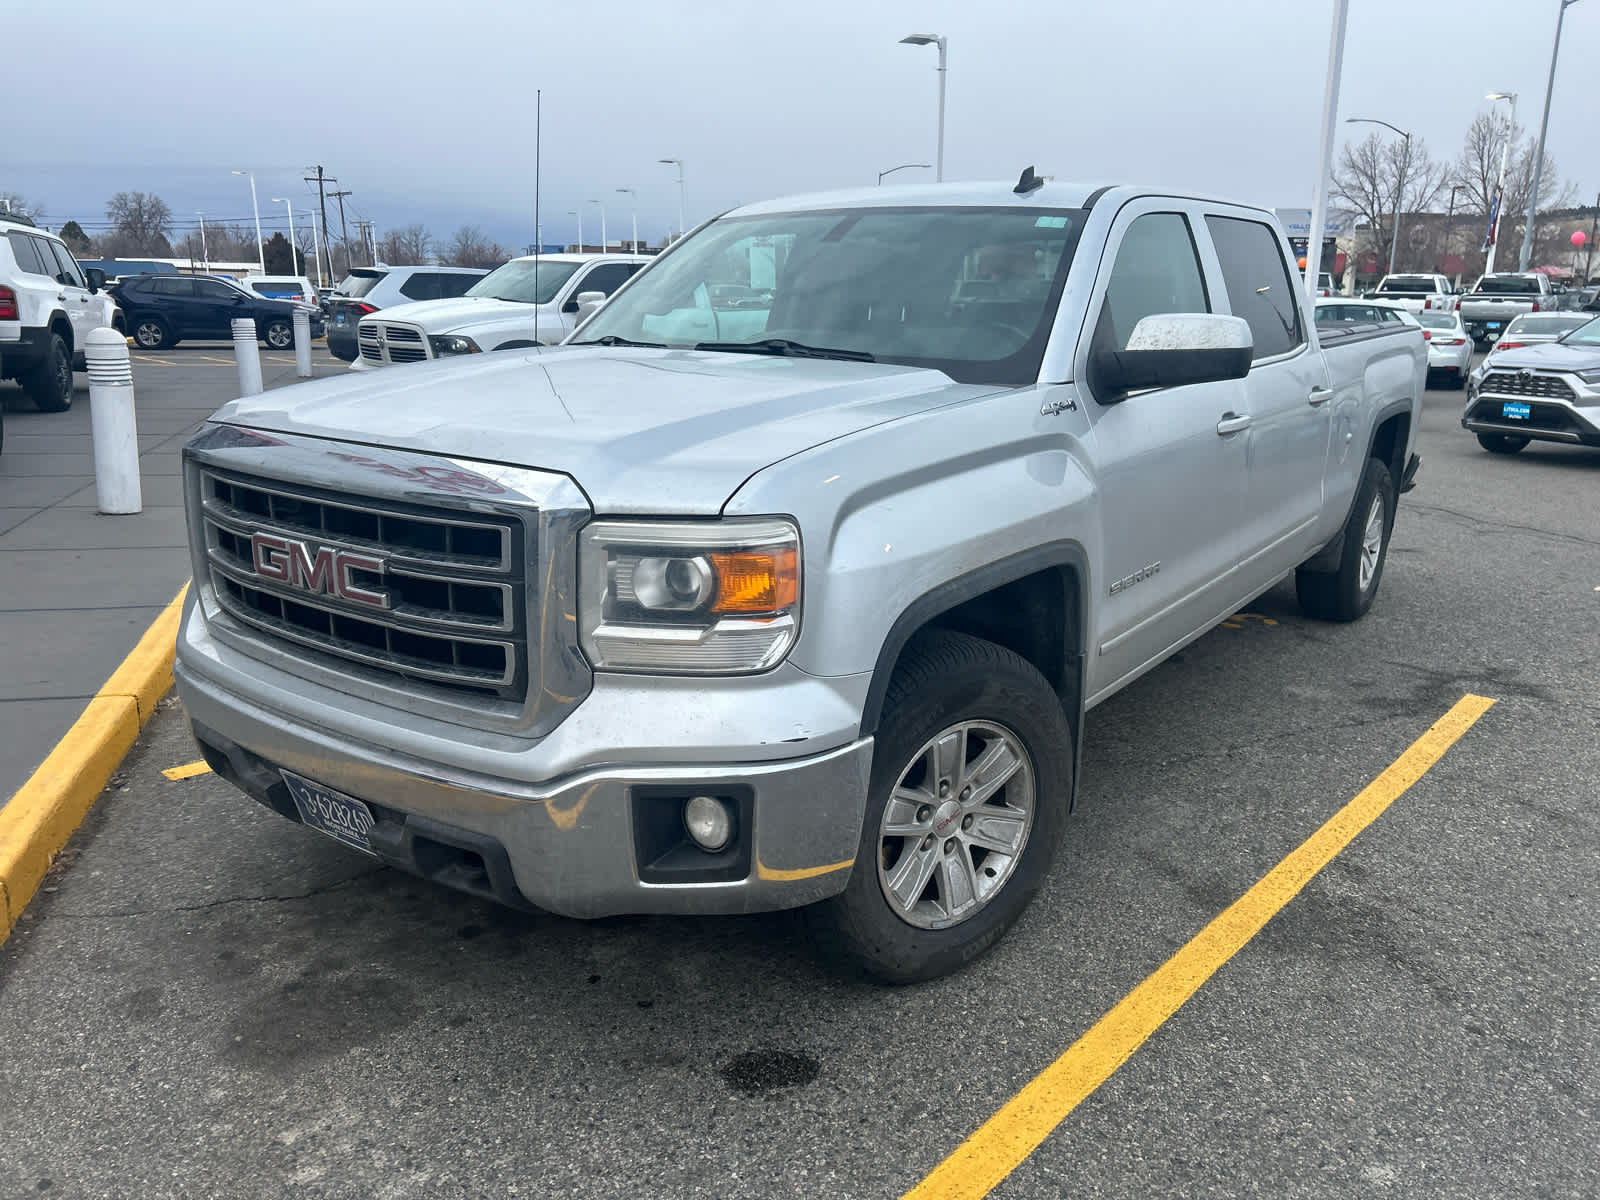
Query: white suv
(48,305)
(525,302)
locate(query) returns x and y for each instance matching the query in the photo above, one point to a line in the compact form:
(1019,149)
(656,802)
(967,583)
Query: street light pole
(677,162)
(573,212)
(294,264)
(1497,201)
(1330,115)
(934,39)
(205,255)
(1400,192)
(633,201)
(261,251)
(902,167)
(1538,154)
(602,225)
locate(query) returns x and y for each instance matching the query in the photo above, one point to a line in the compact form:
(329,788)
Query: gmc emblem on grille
(323,571)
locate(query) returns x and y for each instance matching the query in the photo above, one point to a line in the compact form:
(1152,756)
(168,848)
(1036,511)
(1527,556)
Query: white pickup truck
(1497,300)
(1417,293)
(788,578)
(523,303)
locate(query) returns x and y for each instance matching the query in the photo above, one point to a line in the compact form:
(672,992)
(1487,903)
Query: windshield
(517,280)
(1409,283)
(1508,285)
(1437,320)
(1545,325)
(968,291)
(1584,335)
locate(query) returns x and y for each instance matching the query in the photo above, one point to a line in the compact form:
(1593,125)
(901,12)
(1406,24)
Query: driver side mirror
(1172,350)
(96,278)
(587,302)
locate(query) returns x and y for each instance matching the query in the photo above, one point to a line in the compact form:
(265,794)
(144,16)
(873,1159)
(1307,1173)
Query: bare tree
(16,205)
(470,248)
(1477,170)
(1373,173)
(141,224)
(405,247)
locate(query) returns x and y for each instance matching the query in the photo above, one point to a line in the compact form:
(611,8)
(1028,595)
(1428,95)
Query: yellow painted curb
(39,818)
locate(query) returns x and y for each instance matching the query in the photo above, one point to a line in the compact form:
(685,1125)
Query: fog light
(709,822)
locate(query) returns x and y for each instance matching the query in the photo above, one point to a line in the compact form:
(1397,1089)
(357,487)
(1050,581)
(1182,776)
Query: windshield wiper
(783,346)
(612,339)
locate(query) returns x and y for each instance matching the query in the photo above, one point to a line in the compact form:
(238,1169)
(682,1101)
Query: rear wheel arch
(1033,603)
(59,324)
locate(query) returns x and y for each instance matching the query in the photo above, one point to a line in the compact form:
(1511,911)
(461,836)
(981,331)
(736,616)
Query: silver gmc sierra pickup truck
(788,578)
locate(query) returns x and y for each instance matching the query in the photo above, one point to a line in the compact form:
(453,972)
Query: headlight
(1589,376)
(444,345)
(691,598)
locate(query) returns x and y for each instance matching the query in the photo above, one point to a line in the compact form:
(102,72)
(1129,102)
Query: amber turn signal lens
(756,581)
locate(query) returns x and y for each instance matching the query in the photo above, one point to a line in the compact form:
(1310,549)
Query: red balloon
(1579,238)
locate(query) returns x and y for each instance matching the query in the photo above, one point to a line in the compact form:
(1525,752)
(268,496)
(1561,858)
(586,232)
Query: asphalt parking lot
(206,1000)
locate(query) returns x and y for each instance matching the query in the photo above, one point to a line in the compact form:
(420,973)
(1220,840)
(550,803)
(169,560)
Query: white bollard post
(302,343)
(248,352)
(111,417)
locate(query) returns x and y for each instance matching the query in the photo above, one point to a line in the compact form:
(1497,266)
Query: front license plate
(1518,412)
(341,817)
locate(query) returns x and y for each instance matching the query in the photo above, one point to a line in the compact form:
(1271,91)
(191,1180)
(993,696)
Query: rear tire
(1502,443)
(49,385)
(971,781)
(1346,593)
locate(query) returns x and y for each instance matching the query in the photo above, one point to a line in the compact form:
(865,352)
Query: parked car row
(162,310)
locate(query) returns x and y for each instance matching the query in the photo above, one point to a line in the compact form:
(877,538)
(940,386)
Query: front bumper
(583,841)
(1548,420)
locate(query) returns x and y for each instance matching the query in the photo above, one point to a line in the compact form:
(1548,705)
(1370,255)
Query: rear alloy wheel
(149,333)
(279,334)
(971,779)
(1345,594)
(1502,443)
(49,385)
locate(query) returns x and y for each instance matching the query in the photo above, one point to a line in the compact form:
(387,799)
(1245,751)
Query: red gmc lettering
(323,572)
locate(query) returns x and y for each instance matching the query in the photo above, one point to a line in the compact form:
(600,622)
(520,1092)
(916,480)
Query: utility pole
(322,200)
(344,233)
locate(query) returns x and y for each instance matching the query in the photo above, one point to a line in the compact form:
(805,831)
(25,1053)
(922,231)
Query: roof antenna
(1028,183)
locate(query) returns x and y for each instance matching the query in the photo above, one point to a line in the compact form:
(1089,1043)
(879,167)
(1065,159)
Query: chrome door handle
(1232,423)
(1320,395)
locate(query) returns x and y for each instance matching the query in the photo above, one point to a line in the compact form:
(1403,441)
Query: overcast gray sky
(426,110)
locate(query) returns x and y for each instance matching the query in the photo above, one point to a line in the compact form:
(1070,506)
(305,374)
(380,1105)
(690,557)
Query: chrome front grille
(432,595)
(1527,383)
(382,343)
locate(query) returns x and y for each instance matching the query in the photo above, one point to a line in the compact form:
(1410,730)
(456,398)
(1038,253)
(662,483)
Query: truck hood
(1546,356)
(461,313)
(667,432)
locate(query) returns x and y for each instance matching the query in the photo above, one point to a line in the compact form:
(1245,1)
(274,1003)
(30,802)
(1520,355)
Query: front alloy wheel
(971,781)
(279,335)
(956,824)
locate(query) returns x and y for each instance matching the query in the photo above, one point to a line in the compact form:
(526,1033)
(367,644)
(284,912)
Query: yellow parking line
(1005,1140)
(187,770)
(208,358)
(147,359)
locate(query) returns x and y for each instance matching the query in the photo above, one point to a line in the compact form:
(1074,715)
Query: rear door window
(1256,275)
(451,286)
(172,285)
(26,250)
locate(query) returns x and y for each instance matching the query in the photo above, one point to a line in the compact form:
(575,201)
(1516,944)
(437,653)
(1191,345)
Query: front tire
(49,385)
(971,781)
(279,335)
(1502,443)
(1346,593)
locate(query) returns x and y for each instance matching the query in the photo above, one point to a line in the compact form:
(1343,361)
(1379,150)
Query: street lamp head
(674,161)
(238,172)
(1500,96)
(921,39)
(629,191)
